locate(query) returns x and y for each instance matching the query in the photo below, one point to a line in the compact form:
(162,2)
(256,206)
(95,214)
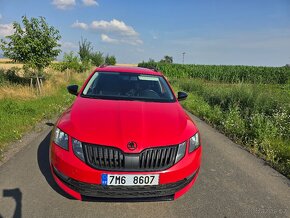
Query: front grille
(157,158)
(126,192)
(113,159)
(102,157)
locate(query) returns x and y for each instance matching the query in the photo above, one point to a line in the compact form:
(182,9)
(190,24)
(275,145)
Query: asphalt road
(231,183)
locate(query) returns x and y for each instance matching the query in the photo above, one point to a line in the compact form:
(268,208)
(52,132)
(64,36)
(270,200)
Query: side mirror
(181,96)
(73,89)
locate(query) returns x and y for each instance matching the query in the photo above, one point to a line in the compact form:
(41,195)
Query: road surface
(231,183)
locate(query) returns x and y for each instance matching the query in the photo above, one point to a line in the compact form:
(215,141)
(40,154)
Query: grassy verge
(23,109)
(256,116)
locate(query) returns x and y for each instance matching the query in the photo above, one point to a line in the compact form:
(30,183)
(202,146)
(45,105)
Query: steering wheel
(149,93)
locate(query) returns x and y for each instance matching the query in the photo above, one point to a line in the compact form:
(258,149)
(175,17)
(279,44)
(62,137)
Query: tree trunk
(38,84)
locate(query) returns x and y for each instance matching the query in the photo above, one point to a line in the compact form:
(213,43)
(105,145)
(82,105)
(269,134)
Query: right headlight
(180,152)
(194,142)
(61,138)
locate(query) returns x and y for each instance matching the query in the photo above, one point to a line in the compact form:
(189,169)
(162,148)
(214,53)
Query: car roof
(125,69)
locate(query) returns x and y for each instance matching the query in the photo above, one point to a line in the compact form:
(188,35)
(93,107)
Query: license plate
(114,179)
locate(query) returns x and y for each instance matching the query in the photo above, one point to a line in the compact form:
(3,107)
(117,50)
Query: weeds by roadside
(256,116)
(21,107)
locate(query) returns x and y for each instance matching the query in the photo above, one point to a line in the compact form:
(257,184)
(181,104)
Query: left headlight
(61,138)
(194,142)
(78,149)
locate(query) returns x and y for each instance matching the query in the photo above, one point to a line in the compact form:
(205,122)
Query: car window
(128,86)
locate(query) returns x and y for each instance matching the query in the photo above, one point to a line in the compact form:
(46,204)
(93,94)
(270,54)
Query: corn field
(224,73)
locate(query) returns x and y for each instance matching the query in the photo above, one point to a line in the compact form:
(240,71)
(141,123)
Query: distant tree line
(167,60)
(96,58)
(84,59)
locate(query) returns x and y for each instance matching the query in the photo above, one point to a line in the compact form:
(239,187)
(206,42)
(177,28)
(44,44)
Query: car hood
(117,122)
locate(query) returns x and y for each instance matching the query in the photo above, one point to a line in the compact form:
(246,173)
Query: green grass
(17,116)
(256,116)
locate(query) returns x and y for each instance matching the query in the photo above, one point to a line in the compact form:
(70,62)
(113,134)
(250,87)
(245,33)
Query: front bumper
(137,193)
(84,183)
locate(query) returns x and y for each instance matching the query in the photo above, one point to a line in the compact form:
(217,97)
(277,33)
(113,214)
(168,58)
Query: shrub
(110,60)
(234,124)
(11,76)
(72,62)
(97,58)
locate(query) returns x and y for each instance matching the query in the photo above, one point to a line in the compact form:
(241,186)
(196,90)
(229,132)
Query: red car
(125,137)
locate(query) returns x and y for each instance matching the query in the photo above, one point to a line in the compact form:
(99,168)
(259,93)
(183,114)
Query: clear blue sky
(249,32)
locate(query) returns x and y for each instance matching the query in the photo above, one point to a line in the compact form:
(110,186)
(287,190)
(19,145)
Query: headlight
(61,139)
(194,142)
(78,149)
(180,152)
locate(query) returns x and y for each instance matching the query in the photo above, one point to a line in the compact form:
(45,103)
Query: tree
(35,44)
(97,58)
(71,61)
(110,60)
(167,59)
(85,50)
(89,56)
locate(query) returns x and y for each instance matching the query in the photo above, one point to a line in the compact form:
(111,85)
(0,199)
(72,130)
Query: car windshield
(128,86)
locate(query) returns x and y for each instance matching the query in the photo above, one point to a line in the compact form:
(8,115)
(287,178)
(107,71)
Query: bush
(11,76)
(110,60)
(2,76)
(72,62)
(234,124)
(97,58)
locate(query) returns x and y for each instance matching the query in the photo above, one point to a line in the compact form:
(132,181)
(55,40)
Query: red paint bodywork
(116,122)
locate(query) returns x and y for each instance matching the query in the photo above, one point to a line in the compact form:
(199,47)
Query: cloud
(113,26)
(64,4)
(80,25)
(106,38)
(133,41)
(90,3)
(130,41)
(6,29)
(114,31)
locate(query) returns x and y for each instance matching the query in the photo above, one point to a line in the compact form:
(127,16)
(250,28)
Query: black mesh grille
(109,158)
(157,158)
(102,157)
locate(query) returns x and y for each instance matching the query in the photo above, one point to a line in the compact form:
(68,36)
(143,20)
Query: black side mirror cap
(73,89)
(181,96)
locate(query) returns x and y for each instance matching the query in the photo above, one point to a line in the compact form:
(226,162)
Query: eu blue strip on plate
(104,179)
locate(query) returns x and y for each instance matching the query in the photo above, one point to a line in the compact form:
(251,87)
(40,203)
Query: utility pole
(183,57)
